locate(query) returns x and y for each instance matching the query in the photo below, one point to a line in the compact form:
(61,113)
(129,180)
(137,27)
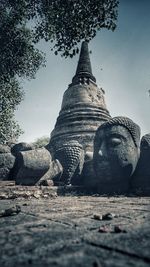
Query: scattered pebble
(104,229)
(108,216)
(97,217)
(24,204)
(47,182)
(45,196)
(11,211)
(96,263)
(108,229)
(36,195)
(119,229)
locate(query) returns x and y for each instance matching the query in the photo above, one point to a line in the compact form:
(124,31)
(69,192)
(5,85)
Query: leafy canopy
(64,23)
(19,59)
(68,22)
(18,55)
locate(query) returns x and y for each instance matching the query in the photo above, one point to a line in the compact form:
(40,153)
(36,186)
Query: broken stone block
(20,147)
(7,161)
(52,176)
(31,165)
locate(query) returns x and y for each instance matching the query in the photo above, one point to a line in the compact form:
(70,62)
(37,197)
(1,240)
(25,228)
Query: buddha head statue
(116,153)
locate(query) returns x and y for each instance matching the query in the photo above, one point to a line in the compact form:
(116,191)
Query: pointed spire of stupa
(84,69)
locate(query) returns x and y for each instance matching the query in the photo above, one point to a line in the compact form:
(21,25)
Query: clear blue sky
(123,55)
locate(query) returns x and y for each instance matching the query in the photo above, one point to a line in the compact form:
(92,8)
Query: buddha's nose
(102,150)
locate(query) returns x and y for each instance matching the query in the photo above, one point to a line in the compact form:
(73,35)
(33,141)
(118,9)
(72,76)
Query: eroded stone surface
(53,174)
(31,165)
(7,161)
(22,146)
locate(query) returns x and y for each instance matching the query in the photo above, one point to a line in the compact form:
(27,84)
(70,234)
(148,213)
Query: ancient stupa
(83,107)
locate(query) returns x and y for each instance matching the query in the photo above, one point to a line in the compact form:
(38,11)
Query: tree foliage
(66,23)
(18,55)
(19,59)
(10,96)
(23,23)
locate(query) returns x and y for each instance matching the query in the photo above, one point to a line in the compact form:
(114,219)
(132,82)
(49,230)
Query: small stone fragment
(46,182)
(96,263)
(24,204)
(11,211)
(97,217)
(45,195)
(119,229)
(36,195)
(108,216)
(104,229)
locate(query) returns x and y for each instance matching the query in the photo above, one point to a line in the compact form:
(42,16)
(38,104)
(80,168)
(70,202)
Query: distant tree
(10,96)
(41,142)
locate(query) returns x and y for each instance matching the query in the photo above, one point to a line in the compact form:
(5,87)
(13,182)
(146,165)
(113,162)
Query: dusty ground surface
(71,231)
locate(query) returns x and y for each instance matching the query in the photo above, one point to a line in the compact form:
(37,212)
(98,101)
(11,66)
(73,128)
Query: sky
(120,62)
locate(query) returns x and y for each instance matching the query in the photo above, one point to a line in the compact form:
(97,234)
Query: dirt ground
(39,227)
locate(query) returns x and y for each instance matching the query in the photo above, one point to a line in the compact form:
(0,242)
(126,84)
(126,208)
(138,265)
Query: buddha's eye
(114,141)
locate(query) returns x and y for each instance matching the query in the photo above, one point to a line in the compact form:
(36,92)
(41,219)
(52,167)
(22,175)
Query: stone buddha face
(115,157)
